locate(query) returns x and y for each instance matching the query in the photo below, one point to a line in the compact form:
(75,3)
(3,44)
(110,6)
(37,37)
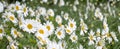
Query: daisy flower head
(12,17)
(17,6)
(91,38)
(1,31)
(114,36)
(50,12)
(29,25)
(42,40)
(58,19)
(83,27)
(1,7)
(105,25)
(68,30)
(73,37)
(98,14)
(72,24)
(100,43)
(13,46)
(62,44)
(31,12)
(50,27)
(42,11)
(66,16)
(15,33)
(9,38)
(55,2)
(98,32)
(11,7)
(61,3)
(53,45)
(24,10)
(60,33)
(42,31)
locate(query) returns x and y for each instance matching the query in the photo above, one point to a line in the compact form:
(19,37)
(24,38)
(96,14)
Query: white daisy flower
(11,8)
(91,38)
(15,33)
(61,3)
(66,16)
(114,36)
(17,7)
(72,24)
(76,2)
(9,38)
(98,14)
(68,30)
(30,25)
(13,46)
(62,44)
(50,12)
(100,44)
(58,19)
(53,45)
(42,31)
(31,12)
(25,10)
(12,17)
(50,27)
(1,7)
(60,33)
(74,8)
(108,37)
(98,32)
(42,40)
(1,31)
(55,2)
(42,11)
(105,25)
(83,27)
(73,37)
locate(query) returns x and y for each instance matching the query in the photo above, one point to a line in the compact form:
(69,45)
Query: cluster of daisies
(44,25)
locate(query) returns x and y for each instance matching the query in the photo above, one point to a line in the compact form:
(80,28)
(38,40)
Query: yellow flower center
(104,26)
(71,25)
(17,7)
(48,27)
(15,32)
(1,30)
(59,33)
(41,31)
(91,37)
(108,35)
(25,9)
(82,27)
(11,18)
(29,26)
(99,43)
(68,31)
(74,38)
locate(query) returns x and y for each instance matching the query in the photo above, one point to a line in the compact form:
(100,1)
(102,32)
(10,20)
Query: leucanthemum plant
(59,24)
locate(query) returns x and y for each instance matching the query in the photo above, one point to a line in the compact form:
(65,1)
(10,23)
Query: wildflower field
(60,24)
